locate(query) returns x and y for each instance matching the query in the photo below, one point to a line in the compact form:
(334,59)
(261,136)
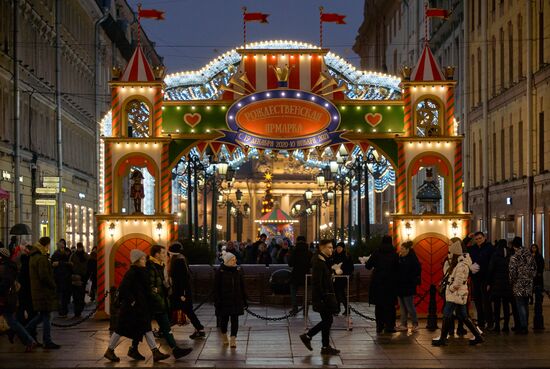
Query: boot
(181,352)
(460,329)
(442,340)
(477,334)
(158,356)
(110,355)
(134,353)
(233,342)
(225,339)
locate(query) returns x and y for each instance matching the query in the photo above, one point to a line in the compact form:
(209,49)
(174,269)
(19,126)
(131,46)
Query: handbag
(443,285)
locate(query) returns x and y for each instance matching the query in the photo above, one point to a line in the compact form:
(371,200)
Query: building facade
(95,35)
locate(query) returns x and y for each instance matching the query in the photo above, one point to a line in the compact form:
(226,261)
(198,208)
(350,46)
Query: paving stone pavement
(267,344)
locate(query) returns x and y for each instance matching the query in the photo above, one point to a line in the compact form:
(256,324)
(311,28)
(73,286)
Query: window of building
(541,141)
(427,118)
(494,174)
(510,54)
(474,165)
(520,148)
(502,86)
(480,148)
(479,74)
(502,156)
(493,66)
(501,8)
(541,34)
(511,151)
(138,118)
(473,79)
(479,3)
(520,47)
(473,15)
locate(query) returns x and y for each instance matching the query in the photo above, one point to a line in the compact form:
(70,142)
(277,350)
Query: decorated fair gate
(278,96)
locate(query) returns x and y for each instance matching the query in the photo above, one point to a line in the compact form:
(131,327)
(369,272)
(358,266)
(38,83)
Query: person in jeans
(182,295)
(409,271)
(300,262)
(342,265)
(43,291)
(538,288)
(9,288)
(79,262)
(480,253)
(323,298)
(229,297)
(522,271)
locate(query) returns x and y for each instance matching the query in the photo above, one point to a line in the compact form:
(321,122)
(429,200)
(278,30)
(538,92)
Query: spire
(138,68)
(427,68)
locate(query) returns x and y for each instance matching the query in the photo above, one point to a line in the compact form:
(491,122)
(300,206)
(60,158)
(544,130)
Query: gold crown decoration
(282,74)
(159,71)
(406,72)
(449,72)
(116,71)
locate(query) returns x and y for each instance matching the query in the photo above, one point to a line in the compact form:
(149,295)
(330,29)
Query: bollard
(432,310)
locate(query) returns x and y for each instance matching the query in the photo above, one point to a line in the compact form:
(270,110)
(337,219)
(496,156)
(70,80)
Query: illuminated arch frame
(449,184)
(117,180)
(440,115)
(124,120)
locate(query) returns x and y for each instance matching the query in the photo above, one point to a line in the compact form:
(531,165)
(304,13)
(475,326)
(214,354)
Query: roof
(427,68)
(138,68)
(276,216)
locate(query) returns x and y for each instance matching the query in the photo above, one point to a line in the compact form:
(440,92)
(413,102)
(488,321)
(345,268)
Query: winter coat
(80,264)
(482,256)
(282,256)
(63,271)
(229,291)
(457,286)
(498,274)
(322,288)
(251,253)
(44,298)
(92,266)
(409,272)
(8,292)
(180,278)
(264,257)
(157,285)
(539,277)
(134,296)
(25,296)
(383,285)
(300,262)
(522,271)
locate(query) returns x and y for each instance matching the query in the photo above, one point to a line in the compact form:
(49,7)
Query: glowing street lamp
(309,194)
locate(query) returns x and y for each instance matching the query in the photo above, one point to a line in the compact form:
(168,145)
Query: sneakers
(158,356)
(225,339)
(111,356)
(134,353)
(329,351)
(414,327)
(475,341)
(233,342)
(179,352)
(306,340)
(402,328)
(51,346)
(197,334)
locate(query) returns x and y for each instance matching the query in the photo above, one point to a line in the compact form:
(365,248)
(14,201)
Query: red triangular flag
(437,13)
(151,14)
(255,17)
(201,146)
(349,147)
(364,145)
(215,146)
(333,18)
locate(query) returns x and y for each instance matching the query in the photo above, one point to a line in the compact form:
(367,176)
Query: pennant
(201,146)
(333,18)
(230,148)
(349,147)
(364,145)
(437,13)
(334,149)
(255,17)
(215,146)
(151,14)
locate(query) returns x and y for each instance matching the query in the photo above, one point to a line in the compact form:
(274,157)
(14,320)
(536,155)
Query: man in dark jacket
(300,262)
(480,253)
(62,271)
(43,294)
(383,286)
(79,261)
(252,252)
(323,298)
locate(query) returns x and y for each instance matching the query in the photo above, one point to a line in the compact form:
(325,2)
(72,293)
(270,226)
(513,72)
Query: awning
(276,216)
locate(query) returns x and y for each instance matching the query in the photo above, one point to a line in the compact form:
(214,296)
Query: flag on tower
(151,14)
(333,18)
(255,17)
(437,13)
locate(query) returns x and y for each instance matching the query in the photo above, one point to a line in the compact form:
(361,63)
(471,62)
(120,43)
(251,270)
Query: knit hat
(176,248)
(227,256)
(455,248)
(135,255)
(5,253)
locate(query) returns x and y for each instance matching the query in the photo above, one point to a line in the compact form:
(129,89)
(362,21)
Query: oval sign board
(280,116)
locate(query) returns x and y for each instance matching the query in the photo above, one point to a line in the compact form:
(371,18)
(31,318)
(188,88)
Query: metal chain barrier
(373,319)
(274,319)
(84,318)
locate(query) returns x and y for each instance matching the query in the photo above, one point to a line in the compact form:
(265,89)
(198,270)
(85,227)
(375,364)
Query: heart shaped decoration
(373,119)
(192,119)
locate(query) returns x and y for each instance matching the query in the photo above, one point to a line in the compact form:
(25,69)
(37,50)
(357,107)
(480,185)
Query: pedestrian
(25,311)
(300,262)
(264,257)
(383,286)
(230,297)
(323,298)
(62,271)
(499,285)
(9,288)
(283,252)
(92,273)
(538,287)
(342,265)
(159,301)
(480,253)
(79,262)
(43,293)
(182,295)
(522,270)
(12,245)
(252,252)
(456,294)
(134,319)
(232,248)
(409,270)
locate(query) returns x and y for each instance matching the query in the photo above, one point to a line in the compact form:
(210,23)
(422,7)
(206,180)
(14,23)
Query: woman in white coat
(456,294)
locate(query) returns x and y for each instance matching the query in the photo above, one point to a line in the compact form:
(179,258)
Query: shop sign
(282,120)
(47,190)
(45,202)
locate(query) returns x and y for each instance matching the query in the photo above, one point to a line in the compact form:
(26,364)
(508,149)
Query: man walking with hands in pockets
(323,298)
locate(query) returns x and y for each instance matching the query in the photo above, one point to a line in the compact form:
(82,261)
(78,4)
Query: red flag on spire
(255,17)
(333,18)
(437,13)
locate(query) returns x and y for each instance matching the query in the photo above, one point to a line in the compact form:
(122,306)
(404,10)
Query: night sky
(196,31)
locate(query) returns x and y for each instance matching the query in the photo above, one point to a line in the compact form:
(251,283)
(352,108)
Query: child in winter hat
(135,255)
(456,247)
(226,257)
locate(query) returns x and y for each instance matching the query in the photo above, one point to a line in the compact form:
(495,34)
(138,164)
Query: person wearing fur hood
(456,294)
